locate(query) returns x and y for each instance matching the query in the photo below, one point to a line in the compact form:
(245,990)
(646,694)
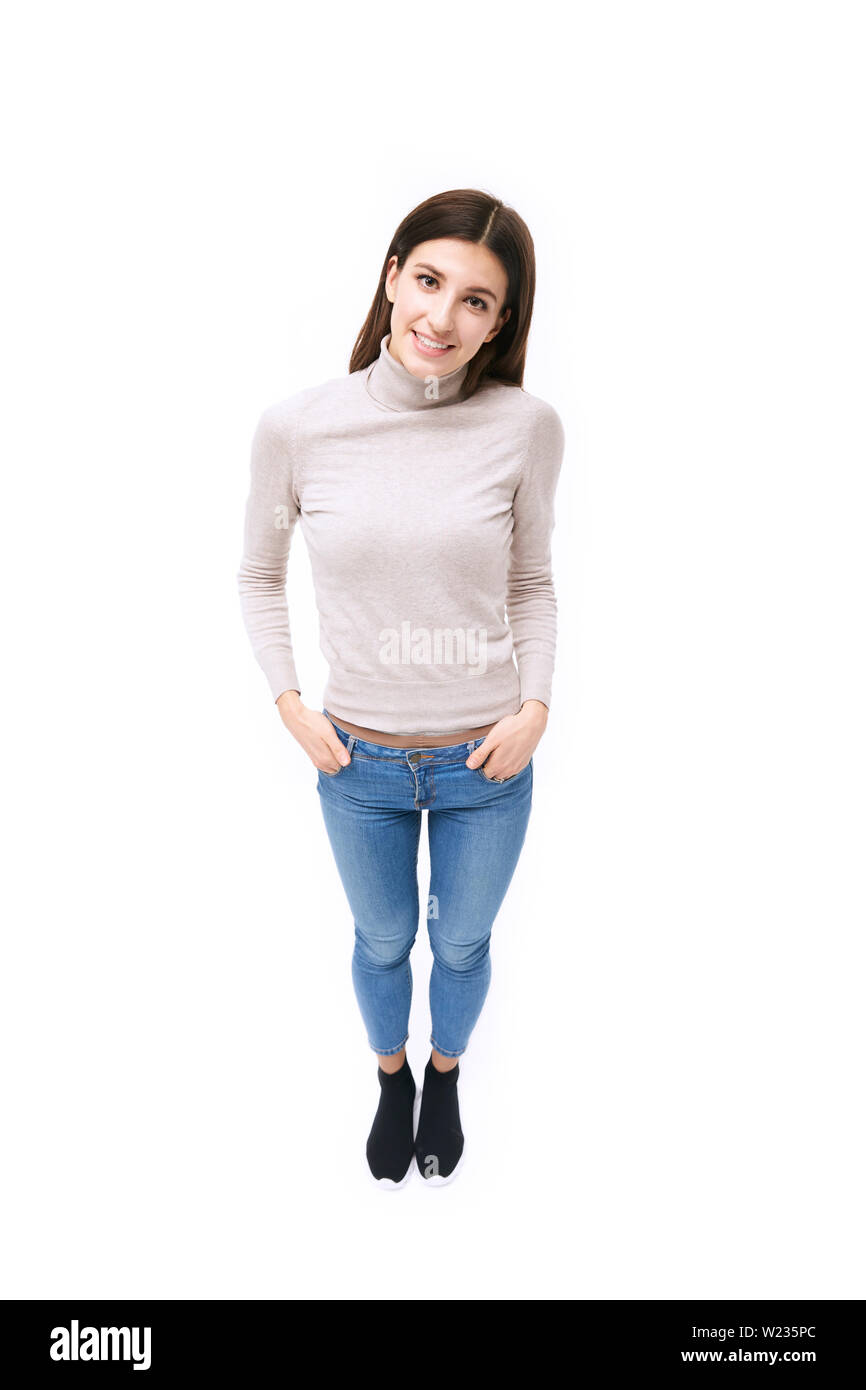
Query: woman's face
(450,292)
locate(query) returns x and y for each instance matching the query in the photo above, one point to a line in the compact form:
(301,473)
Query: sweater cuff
(281,676)
(535,681)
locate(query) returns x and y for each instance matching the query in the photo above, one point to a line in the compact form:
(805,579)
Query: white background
(663,1098)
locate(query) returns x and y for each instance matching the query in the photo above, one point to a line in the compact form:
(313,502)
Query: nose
(442,322)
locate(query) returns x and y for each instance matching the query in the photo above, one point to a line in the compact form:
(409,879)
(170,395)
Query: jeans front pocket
(495,782)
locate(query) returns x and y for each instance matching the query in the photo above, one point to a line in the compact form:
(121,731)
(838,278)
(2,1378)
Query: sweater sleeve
(531,600)
(272,509)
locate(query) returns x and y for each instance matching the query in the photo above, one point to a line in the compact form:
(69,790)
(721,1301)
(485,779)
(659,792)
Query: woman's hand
(511,742)
(314,732)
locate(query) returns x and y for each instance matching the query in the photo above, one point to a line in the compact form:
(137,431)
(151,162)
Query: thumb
(482,752)
(339,751)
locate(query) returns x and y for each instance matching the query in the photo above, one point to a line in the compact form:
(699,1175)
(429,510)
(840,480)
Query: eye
(482,303)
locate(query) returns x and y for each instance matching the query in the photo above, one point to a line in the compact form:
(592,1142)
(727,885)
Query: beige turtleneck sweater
(427,519)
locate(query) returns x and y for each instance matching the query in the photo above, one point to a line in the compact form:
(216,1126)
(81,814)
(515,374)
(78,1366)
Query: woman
(424,481)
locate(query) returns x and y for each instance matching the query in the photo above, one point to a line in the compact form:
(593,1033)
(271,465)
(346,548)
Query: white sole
(388,1184)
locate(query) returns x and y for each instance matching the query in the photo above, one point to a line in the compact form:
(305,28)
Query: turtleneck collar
(393,386)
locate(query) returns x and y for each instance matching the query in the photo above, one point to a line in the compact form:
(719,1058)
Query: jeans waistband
(417,753)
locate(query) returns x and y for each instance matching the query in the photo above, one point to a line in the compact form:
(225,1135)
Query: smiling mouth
(431,342)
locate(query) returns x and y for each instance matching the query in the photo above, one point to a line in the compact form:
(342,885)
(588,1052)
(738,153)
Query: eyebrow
(473,289)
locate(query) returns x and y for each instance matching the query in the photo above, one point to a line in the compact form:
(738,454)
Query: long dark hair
(467,215)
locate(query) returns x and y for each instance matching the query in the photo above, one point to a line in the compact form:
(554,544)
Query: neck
(396,388)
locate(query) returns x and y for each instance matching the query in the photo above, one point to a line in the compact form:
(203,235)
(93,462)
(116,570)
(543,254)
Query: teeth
(428,342)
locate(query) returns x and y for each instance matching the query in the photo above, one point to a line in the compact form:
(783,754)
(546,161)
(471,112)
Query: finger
(481,753)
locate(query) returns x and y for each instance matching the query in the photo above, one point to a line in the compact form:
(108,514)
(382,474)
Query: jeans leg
(376,852)
(474,849)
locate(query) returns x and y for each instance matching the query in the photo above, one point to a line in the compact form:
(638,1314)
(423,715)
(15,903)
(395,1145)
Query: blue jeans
(476,828)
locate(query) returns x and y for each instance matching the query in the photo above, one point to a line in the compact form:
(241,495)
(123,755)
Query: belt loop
(351,744)
(471,744)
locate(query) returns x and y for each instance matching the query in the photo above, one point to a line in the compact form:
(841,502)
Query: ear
(506,315)
(390,276)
